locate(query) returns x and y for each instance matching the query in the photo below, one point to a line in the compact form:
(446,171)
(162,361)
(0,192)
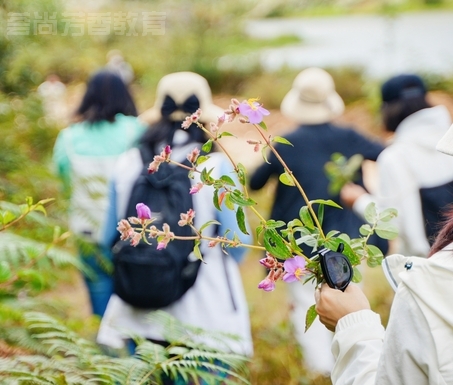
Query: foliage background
(198,33)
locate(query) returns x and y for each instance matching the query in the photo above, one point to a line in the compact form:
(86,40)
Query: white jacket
(409,163)
(212,303)
(417,348)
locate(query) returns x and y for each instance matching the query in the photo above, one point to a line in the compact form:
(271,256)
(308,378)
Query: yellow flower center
(253,103)
(299,272)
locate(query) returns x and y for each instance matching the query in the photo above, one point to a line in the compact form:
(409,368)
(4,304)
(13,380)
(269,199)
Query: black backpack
(145,277)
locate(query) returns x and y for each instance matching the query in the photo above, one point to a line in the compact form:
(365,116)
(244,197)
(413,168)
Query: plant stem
(296,182)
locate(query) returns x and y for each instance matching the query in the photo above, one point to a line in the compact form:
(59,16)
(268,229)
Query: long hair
(393,113)
(106,96)
(445,235)
(163,132)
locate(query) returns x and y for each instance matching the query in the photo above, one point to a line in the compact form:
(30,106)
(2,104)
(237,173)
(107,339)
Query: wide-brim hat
(312,98)
(180,87)
(445,145)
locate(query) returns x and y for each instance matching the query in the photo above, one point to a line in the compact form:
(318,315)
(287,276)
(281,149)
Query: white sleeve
(409,353)
(357,346)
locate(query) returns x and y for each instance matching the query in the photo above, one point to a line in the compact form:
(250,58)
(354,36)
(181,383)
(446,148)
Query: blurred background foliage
(202,36)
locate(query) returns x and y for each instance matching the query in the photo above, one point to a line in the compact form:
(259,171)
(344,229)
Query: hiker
(313,103)
(216,301)
(415,348)
(84,155)
(413,177)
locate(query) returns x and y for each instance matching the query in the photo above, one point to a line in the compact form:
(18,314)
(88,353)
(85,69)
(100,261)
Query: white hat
(445,145)
(312,98)
(180,86)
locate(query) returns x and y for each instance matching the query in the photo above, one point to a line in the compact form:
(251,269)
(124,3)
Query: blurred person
(216,302)
(119,66)
(413,177)
(313,103)
(53,94)
(416,347)
(84,155)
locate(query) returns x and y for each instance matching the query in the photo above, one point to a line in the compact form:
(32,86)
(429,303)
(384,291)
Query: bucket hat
(312,98)
(180,94)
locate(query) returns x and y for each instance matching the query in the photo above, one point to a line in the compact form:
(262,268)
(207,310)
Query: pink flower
(294,269)
(253,111)
(186,218)
(267,284)
(193,156)
(135,239)
(143,211)
(196,188)
(161,245)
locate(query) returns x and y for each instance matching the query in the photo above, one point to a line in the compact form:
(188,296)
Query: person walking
(84,154)
(313,103)
(413,177)
(216,302)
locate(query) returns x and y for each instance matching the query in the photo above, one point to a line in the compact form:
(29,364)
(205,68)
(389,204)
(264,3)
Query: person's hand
(350,193)
(332,304)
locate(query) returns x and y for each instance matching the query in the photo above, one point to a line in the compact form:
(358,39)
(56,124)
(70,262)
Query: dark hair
(106,96)
(393,113)
(402,95)
(164,130)
(445,235)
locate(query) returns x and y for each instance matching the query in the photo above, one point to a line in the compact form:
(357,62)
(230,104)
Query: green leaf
(357,275)
(227,180)
(374,251)
(228,203)
(388,214)
(365,230)
(226,133)
(238,197)
(310,317)
(209,223)
(275,244)
(201,159)
(215,200)
(327,202)
(264,154)
(280,139)
(386,230)
(259,230)
(305,215)
(242,174)
(40,208)
(320,214)
(286,179)
(207,146)
(196,250)
(273,224)
(309,240)
(5,271)
(263,125)
(240,218)
(370,213)
(8,217)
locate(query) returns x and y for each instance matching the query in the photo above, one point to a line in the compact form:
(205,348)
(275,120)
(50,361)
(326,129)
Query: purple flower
(143,211)
(253,111)
(267,284)
(294,269)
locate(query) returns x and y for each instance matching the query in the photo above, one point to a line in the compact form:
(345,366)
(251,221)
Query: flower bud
(143,211)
